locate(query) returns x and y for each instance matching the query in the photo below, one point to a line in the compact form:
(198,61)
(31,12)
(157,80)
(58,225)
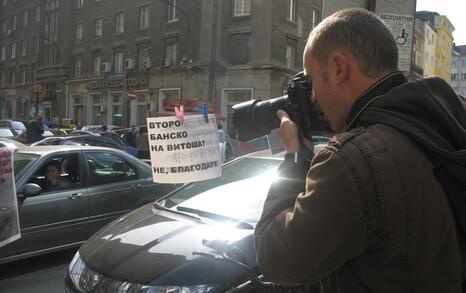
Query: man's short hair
(362,34)
(53,163)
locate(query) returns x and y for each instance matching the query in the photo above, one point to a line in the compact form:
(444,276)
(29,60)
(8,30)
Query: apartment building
(458,70)
(443,42)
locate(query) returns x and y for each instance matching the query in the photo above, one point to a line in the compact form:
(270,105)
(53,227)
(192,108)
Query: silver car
(97,185)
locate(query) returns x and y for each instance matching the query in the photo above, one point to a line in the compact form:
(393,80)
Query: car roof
(42,150)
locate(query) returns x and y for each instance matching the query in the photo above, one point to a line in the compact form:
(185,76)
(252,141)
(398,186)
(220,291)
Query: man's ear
(339,67)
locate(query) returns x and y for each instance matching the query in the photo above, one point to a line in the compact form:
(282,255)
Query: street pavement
(42,274)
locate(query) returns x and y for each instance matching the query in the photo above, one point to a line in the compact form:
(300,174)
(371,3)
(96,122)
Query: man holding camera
(380,209)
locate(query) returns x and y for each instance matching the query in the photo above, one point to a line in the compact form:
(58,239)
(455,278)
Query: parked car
(10,143)
(7,133)
(164,246)
(112,140)
(16,125)
(102,184)
(22,137)
(98,128)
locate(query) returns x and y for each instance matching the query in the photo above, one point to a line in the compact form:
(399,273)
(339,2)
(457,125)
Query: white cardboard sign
(184,152)
(9,220)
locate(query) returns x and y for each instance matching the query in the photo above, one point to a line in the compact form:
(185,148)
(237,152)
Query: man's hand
(288,132)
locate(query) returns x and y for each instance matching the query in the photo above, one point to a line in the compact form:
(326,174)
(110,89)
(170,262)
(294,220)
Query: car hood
(155,247)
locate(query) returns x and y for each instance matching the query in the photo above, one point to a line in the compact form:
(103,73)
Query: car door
(55,217)
(115,187)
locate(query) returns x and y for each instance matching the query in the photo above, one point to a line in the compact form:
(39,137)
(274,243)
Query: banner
(9,220)
(184,152)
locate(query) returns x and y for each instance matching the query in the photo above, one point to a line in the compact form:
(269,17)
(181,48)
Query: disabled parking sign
(183,152)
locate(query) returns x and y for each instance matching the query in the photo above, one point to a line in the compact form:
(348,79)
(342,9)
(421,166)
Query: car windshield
(22,161)
(5,132)
(240,192)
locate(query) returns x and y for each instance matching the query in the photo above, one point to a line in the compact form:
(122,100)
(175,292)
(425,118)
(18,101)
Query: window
(77,68)
(58,173)
(36,45)
(25,18)
(315,18)
(37,14)
(109,168)
(143,58)
(454,76)
(12,76)
(239,48)
(97,62)
(119,23)
(166,95)
(118,62)
(95,110)
(13,22)
(170,53)
(291,53)
(23,48)
(4,2)
(172,10)
(4,25)
(117,109)
(79,32)
(144,17)
(3,53)
(23,75)
(79,3)
(142,106)
(2,78)
(98,28)
(291,15)
(242,7)
(13,50)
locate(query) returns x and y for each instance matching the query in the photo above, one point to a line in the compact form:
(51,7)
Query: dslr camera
(255,118)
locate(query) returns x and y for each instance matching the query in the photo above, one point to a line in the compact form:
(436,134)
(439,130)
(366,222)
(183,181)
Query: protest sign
(184,152)
(9,221)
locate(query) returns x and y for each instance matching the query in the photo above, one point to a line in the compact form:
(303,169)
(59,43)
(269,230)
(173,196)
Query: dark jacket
(373,216)
(35,129)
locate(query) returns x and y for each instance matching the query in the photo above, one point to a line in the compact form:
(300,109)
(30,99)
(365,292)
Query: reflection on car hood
(152,246)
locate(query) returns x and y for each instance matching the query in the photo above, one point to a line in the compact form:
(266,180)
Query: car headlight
(76,269)
(177,289)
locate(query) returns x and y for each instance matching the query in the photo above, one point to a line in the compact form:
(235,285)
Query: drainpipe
(213,55)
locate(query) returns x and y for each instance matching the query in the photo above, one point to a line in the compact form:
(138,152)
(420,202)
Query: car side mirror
(31,189)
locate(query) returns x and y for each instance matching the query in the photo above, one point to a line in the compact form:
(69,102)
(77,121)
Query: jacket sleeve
(304,237)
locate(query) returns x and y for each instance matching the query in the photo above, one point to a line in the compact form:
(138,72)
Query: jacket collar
(374,92)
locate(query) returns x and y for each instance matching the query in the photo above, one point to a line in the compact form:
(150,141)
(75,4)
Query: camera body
(257,118)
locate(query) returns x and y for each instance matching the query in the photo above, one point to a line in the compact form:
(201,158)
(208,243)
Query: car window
(109,168)
(58,173)
(22,161)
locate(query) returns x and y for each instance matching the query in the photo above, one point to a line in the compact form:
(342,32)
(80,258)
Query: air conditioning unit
(128,63)
(166,62)
(106,67)
(147,63)
(9,32)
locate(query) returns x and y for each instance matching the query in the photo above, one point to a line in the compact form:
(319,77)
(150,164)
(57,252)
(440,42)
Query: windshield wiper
(240,224)
(161,207)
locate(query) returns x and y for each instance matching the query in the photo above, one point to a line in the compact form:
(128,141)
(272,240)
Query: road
(42,274)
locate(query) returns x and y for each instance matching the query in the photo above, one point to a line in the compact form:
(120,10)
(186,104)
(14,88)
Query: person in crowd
(379,209)
(131,136)
(142,143)
(35,129)
(54,181)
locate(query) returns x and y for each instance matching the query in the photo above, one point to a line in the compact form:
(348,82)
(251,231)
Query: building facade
(32,58)
(443,42)
(458,70)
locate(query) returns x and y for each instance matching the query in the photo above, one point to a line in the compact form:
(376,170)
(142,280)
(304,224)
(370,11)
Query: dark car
(164,246)
(116,141)
(98,186)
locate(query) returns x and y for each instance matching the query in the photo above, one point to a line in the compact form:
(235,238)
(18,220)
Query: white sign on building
(402,28)
(184,152)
